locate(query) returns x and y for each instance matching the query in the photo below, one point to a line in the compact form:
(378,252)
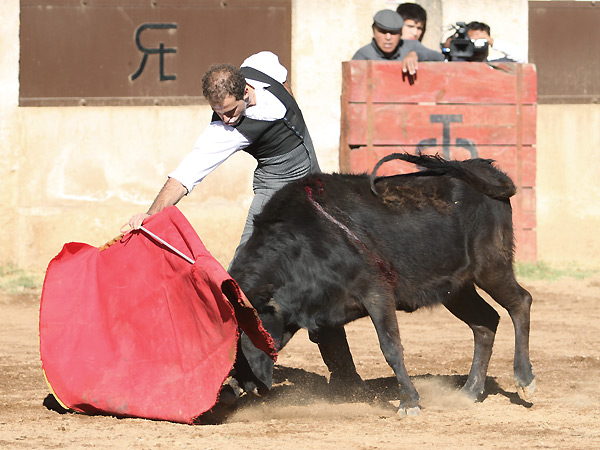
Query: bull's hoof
(349,387)
(227,397)
(230,392)
(471,395)
(414,411)
(526,392)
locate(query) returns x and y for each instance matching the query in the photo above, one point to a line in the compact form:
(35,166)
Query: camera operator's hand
(447,43)
(410,62)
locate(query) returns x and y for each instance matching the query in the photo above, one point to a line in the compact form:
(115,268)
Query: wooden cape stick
(184,256)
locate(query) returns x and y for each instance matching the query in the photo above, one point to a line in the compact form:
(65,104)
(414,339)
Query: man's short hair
(479,26)
(412,11)
(221,81)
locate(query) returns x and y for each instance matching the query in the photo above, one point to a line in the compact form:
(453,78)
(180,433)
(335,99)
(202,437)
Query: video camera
(462,48)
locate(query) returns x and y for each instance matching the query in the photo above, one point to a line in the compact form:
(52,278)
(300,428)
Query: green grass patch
(543,271)
(14,280)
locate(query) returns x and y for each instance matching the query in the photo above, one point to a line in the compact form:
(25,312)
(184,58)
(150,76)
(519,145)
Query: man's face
(231,110)
(412,30)
(387,41)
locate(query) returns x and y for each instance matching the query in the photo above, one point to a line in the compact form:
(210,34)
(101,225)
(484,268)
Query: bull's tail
(479,173)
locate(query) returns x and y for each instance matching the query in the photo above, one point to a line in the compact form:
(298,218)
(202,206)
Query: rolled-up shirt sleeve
(217,143)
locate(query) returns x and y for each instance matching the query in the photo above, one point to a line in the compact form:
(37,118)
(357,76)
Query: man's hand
(137,220)
(410,63)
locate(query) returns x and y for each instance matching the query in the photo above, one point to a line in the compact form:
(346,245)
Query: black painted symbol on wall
(446,120)
(161,50)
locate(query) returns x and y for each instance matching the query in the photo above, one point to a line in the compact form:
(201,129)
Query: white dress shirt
(219,141)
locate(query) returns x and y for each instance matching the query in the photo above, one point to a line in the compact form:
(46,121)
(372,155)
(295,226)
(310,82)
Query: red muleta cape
(136,330)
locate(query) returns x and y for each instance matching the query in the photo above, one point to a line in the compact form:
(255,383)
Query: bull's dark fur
(331,248)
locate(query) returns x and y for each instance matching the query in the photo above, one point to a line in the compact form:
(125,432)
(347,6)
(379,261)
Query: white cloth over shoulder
(219,141)
(509,50)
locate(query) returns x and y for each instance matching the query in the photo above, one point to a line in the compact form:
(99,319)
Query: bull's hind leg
(504,289)
(483,320)
(382,310)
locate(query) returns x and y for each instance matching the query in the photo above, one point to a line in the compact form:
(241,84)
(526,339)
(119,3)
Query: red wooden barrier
(457,110)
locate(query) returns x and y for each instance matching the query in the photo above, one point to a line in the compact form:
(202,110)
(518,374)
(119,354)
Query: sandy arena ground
(565,351)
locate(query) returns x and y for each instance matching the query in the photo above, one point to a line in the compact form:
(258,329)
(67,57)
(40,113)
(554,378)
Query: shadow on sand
(300,387)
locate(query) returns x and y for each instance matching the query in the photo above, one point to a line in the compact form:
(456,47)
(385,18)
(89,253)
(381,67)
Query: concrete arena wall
(568,185)
(78,174)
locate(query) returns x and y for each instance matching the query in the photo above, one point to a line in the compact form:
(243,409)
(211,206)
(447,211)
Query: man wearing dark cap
(387,44)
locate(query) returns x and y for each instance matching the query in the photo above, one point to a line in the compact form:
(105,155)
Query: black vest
(277,137)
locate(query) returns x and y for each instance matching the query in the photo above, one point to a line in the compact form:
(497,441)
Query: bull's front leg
(344,380)
(382,311)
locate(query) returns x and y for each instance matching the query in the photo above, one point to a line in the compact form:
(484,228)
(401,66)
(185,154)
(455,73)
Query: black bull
(331,248)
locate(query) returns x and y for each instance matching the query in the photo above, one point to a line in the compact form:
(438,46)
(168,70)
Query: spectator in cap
(387,44)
